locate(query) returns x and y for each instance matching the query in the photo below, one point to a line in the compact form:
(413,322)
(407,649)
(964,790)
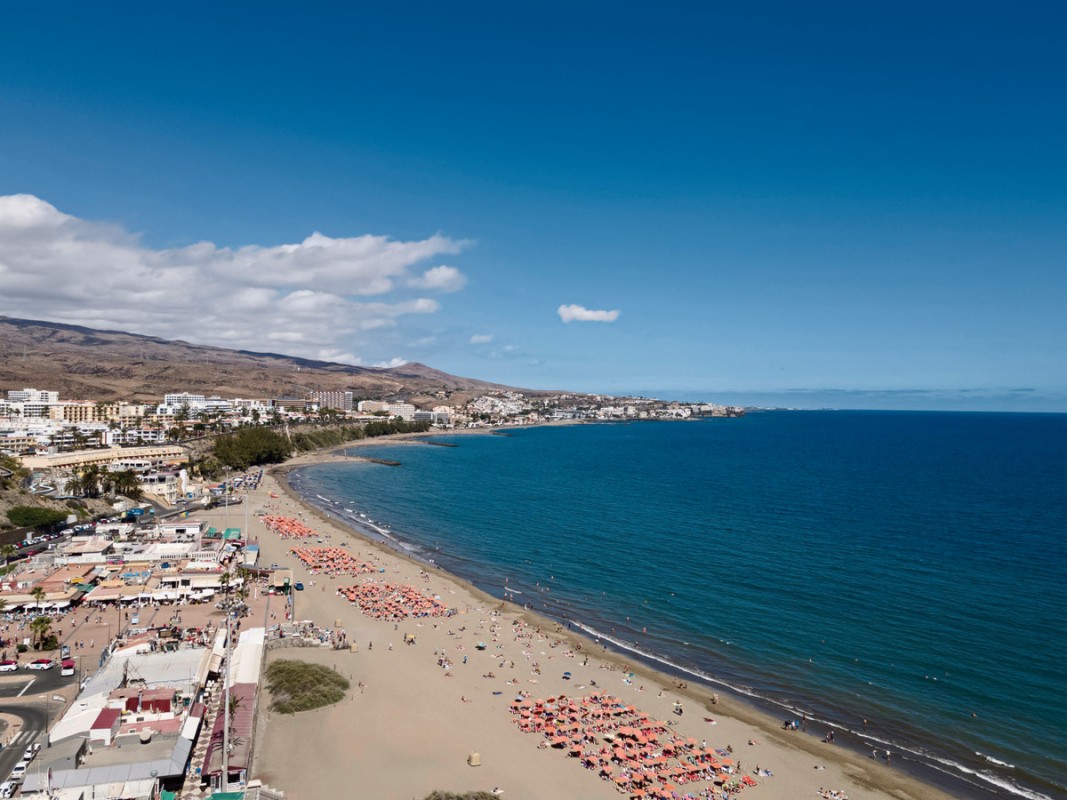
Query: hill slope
(83,363)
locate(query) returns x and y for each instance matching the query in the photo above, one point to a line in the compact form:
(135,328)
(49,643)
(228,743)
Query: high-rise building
(339,400)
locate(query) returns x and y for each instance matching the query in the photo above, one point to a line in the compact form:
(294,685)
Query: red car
(9,666)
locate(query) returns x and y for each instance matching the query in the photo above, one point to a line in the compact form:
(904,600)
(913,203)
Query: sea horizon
(839,479)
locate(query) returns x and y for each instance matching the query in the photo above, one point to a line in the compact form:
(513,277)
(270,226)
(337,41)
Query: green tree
(107,481)
(234,704)
(128,484)
(38,595)
(244,574)
(40,627)
(88,481)
(8,551)
(250,447)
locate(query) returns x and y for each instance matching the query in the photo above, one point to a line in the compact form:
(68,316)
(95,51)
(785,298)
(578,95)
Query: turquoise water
(906,568)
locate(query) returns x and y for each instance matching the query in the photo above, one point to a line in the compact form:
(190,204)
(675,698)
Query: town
(139,612)
(37,421)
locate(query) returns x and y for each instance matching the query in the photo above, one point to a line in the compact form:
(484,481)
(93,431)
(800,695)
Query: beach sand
(407,726)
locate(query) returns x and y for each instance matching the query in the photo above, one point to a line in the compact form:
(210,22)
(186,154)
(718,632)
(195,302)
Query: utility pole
(226,712)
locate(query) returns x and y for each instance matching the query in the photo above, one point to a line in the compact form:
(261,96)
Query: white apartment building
(405,411)
(182,398)
(135,436)
(33,396)
(196,405)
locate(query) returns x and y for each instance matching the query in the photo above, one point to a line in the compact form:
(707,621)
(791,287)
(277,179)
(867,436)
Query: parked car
(8,666)
(298,586)
(31,752)
(7,788)
(42,663)
(18,772)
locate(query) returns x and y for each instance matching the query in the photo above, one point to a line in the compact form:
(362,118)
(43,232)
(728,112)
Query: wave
(941,764)
(996,761)
(985,774)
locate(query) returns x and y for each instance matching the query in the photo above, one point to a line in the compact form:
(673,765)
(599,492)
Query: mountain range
(86,364)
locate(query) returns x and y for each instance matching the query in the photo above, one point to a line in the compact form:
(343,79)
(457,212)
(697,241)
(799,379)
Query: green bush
(250,447)
(299,686)
(34,516)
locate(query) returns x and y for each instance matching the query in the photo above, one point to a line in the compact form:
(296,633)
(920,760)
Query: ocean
(905,568)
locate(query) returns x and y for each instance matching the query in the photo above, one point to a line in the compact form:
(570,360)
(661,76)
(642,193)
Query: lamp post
(47,719)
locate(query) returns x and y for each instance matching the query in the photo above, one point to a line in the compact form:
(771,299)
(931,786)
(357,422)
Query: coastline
(799,762)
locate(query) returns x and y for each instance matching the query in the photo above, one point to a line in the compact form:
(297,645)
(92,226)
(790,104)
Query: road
(27,694)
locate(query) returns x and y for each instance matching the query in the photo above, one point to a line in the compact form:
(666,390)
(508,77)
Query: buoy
(474,759)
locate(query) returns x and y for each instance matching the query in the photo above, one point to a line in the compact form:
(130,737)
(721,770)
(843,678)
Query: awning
(215,663)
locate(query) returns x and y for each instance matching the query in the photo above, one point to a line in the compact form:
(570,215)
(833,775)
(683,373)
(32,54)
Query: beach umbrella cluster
(332,561)
(394,602)
(640,756)
(288,528)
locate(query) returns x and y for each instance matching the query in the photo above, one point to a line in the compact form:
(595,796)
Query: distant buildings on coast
(38,421)
(50,433)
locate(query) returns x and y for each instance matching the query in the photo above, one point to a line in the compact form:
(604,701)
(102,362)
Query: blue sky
(828,204)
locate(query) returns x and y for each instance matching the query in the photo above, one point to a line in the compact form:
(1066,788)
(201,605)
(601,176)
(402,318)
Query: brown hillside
(82,363)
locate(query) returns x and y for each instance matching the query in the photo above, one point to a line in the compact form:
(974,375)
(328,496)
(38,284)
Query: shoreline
(861,775)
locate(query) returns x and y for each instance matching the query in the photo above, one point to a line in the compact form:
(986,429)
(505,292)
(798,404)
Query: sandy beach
(416,712)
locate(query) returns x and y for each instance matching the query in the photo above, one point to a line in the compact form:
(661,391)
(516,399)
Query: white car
(18,772)
(9,666)
(31,752)
(41,663)
(7,788)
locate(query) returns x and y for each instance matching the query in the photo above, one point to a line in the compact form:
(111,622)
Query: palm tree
(88,481)
(40,627)
(74,485)
(245,574)
(38,595)
(8,552)
(235,703)
(127,483)
(107,481)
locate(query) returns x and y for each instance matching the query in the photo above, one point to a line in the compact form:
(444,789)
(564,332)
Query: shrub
(250,447)
(299,686)
(34,516)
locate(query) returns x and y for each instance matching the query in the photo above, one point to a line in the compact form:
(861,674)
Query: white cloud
(317,298)
(575,313)
(392,362)
(439,279)
(482,338)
